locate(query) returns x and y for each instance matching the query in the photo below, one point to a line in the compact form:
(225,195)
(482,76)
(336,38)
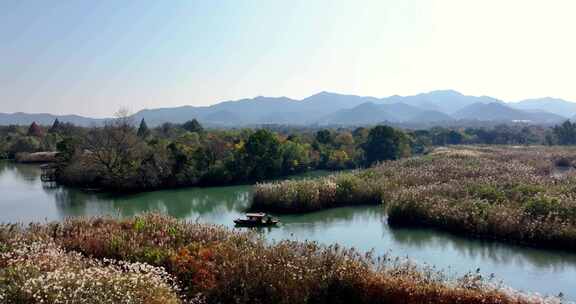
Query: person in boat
(256,219)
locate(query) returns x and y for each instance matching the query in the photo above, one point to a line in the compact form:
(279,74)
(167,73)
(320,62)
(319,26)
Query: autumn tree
(115,149)
(35,130)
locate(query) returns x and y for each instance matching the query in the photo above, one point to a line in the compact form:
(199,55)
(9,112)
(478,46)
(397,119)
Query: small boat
(256,220)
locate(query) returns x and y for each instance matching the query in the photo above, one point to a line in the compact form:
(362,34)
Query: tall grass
(506,193)
(156,259)
(315,194)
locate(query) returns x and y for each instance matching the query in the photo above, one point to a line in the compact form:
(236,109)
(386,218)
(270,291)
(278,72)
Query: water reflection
(497,252)
(182,203)
(319,222)
(25,173)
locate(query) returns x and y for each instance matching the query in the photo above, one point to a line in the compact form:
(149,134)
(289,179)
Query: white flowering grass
(42,272)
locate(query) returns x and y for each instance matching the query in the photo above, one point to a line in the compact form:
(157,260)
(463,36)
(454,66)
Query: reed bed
(519,194)
(157,259)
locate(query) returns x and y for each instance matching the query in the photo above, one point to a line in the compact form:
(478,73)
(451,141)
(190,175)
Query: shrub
(563,162)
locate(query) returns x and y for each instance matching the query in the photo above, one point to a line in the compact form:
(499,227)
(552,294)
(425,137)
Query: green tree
(261,155)
(143,131)
(295,157)
(193,126)
(169,130)
(323,136)
(24,144)
(454,137)
(55,127)
(566,133)
(67,148)
(385,143)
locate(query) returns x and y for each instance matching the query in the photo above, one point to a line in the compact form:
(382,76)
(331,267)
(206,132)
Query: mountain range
(327,108)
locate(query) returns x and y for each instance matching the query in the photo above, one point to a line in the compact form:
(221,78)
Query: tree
(67,148)
(422,140)
(385,143)
(24,144)
(261,156)
(338,159)
(566,133)
(360,134)
(189,139)
(55,127)
(115,150)
(169,130)
(143,131)
(550,138)
(323,136)
(193,126)
(454,137)
(295,157)
(344,139)
(35,130)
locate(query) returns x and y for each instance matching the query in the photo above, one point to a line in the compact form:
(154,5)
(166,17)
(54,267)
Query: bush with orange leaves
(195,266)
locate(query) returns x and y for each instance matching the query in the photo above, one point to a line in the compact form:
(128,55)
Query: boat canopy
(255,215)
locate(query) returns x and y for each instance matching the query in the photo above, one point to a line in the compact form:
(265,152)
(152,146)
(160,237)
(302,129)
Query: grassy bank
(515,194)
(156,259)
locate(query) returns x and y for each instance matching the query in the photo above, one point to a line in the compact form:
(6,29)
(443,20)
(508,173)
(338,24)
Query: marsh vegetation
(157,259)
(508,193)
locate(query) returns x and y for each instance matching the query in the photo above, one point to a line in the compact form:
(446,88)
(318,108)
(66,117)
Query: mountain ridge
(550,104)
(334,108)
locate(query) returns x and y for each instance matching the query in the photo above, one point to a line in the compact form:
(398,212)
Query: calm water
(23,198)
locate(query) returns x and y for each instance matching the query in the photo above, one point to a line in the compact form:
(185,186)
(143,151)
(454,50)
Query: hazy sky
(93,57)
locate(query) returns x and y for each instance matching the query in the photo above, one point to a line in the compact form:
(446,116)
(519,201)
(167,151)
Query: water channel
(24,198)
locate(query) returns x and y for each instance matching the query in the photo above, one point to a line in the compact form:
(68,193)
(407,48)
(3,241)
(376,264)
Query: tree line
(122,155)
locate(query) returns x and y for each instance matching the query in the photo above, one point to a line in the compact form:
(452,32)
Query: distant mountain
(156,117)
(46,119)
(332,108)
(325,102)
(259,110)
(224,117)
(553,105)
(324,107)
(445,101)
(501,112)
(371,113)
(364,114)
(429,116)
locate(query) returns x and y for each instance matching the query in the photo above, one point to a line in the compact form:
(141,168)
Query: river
(24,198)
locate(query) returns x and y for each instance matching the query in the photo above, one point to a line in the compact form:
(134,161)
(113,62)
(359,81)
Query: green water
(23,198)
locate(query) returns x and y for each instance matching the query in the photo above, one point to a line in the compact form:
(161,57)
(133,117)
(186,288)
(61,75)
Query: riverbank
(157,259)
(507,193)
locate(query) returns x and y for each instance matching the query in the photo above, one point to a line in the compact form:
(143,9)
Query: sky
(95,57)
